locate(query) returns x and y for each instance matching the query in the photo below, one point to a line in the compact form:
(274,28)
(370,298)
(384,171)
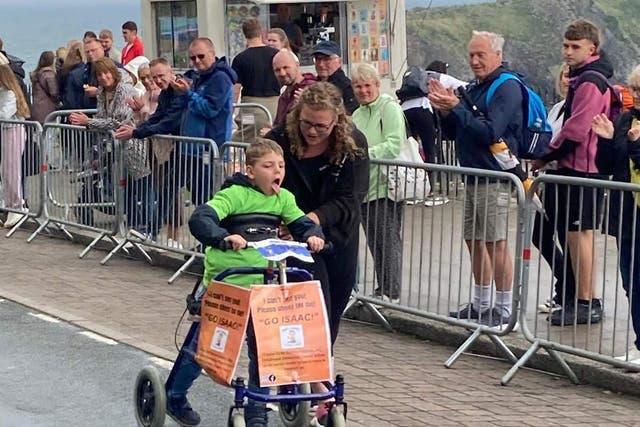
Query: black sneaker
(467,312)
(582,314)
(255,415)
(496,321)
(181,412)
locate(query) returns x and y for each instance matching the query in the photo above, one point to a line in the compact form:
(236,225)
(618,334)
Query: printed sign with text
(292,333)
(224,317)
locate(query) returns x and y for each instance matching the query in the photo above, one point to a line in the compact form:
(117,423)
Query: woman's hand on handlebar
(236,241)
(316,244)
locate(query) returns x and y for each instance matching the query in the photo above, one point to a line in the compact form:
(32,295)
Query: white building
(370,31)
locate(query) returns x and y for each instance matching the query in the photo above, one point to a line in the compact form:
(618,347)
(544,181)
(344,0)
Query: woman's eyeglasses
(200,56)
(319,127)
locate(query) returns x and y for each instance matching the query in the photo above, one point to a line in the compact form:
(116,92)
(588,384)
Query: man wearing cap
(326,57)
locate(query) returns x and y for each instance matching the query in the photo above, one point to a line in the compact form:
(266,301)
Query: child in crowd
(257,192)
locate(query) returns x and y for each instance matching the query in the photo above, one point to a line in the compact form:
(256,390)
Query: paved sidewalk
(392,379)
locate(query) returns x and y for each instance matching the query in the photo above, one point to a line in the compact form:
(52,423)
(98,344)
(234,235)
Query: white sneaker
(632,356)
(549,306)
(173,244)
(13,218)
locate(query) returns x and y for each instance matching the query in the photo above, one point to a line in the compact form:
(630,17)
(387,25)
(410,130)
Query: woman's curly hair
(323,96)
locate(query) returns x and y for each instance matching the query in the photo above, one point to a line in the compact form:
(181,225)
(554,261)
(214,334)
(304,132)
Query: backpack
(414,84)
(625,96)
(616,96)
(536,132)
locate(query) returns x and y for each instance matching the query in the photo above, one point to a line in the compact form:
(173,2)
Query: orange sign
(292,333)
(224,317)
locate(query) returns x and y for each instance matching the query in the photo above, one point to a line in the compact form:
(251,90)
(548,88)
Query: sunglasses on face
(200,56)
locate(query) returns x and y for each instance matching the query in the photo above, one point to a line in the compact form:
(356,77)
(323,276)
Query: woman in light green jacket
(382,121)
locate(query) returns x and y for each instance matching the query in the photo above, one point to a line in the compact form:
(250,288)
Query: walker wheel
(149,398)
(336,417)
(237,420)
(295,414)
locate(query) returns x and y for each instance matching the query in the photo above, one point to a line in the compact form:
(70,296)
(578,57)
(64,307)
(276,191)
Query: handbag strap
(407,128)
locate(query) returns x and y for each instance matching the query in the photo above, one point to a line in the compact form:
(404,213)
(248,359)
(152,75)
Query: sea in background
(29,27)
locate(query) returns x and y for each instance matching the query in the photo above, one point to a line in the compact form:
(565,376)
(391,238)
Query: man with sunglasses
(207,113)
(326,57)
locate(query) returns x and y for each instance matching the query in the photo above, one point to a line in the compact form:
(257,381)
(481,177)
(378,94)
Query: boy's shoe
(466,313)
(173,244)
(255,415)
(581,314)
(181,412)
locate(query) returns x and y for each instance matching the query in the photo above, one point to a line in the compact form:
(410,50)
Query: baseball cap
(326,48)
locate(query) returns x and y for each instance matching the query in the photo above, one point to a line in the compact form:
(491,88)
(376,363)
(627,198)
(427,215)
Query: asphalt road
(55,374)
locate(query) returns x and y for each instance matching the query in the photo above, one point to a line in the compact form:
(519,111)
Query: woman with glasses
(381,119)
(328,171)
(619,155)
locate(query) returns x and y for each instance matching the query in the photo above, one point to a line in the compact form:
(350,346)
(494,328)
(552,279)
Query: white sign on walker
(277,250)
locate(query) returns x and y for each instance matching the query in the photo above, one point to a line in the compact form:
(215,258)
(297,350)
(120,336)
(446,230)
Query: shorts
(584,204)
(486,211)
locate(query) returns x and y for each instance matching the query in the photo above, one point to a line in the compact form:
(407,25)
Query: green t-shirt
(238,200)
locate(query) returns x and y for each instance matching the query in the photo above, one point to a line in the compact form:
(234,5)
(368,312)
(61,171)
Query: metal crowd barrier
(233,158)
(249,119)
(81,191)
(426,265)
(20,173)
(165,178)
(607,340)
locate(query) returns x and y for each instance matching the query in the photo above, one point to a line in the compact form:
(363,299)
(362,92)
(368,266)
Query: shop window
(176,27)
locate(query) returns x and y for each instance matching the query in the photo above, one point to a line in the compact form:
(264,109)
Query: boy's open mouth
(275,185)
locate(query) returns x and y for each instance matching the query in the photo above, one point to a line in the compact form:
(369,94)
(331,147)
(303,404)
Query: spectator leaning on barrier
(574,147)
(328,63)
(486,201)
(207,113)
(13,106)
(619,155)
(256,80)
(164,121)
(381,119)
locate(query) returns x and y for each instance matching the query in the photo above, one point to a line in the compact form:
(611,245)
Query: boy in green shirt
(257,192)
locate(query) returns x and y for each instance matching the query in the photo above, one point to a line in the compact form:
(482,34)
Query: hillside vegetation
(533,32)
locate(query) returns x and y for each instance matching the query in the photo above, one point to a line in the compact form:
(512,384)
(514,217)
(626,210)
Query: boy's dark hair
(251,28)
(130,25)
(261,147)
(583,29)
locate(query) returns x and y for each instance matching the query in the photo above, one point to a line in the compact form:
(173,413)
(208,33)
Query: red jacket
(132,50)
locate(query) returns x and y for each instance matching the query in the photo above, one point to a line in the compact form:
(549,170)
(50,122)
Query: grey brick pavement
(392,379)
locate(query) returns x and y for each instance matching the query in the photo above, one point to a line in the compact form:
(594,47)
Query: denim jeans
(186,369)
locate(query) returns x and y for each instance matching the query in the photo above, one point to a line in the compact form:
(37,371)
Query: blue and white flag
(277,250)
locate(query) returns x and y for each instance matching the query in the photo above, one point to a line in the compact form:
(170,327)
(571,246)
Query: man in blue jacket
(477,126)
(207,113)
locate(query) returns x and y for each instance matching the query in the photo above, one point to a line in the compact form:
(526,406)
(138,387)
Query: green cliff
(533,32)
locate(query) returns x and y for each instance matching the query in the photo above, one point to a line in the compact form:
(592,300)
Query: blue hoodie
(209,105)
(501,119)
